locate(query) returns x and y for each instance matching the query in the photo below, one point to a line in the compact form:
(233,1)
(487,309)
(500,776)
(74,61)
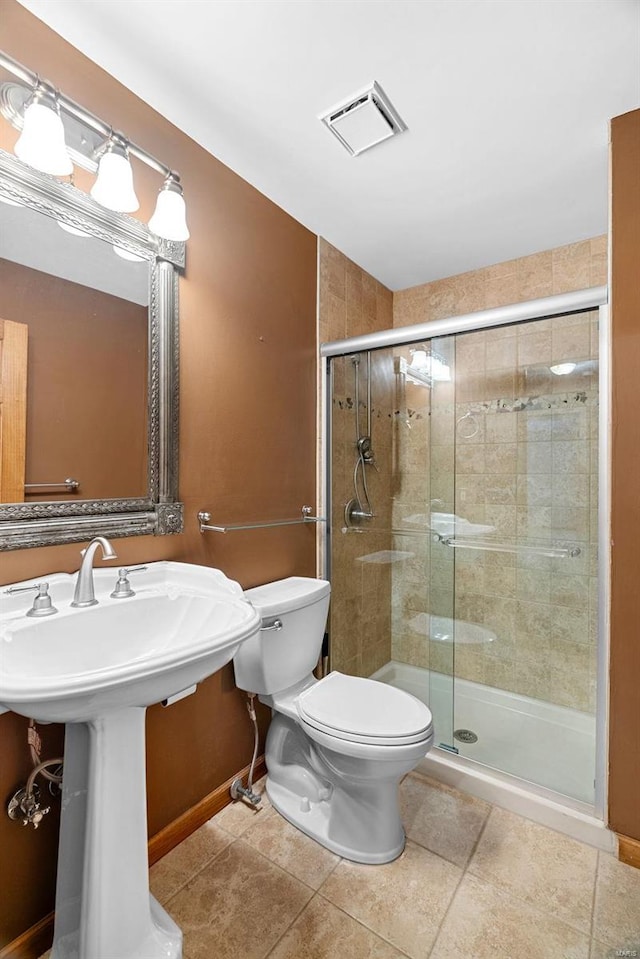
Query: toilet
(337,747)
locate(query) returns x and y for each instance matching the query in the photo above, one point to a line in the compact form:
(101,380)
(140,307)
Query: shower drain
(465,736)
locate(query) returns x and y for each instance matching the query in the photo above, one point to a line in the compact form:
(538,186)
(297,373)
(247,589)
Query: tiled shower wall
(565,268)
(352,302)
(507,474)
(531,473)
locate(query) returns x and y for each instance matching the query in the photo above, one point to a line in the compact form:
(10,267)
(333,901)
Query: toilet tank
(273,660)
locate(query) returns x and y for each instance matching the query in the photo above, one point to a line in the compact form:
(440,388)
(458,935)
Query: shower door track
(540,309)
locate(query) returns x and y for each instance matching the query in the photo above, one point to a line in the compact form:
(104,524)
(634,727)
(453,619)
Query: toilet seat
(364,711)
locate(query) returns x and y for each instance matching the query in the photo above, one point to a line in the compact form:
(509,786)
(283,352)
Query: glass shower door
(466,573)
(526,410)
(389,614)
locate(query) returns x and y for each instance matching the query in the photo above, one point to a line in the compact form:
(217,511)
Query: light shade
(114,184)
(169,219)
(41,143)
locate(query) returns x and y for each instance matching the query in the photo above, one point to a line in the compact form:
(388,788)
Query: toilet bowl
(337,747)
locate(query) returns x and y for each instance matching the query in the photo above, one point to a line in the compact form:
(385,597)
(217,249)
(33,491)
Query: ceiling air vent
(364,120)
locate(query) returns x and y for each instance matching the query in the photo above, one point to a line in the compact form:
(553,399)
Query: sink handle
(42,605)
(123,586)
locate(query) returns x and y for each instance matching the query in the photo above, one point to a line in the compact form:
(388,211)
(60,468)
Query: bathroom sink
(96,668)
(184,623)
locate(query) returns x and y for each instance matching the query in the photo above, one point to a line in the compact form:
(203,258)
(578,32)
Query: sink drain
(465,736)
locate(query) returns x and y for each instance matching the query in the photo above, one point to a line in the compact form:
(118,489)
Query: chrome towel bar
(551,552)
(204,519)
(71,485)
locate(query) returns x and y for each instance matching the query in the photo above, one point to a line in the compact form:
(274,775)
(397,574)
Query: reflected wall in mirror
(88,367)
(83,310)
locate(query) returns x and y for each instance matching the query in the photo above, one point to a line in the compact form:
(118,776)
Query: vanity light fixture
(169,219)
(113,188)
(37,109)
(41,143)
(429,364)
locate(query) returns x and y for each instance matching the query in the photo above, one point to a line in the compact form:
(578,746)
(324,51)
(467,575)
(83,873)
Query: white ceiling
(37,241)
(507,103)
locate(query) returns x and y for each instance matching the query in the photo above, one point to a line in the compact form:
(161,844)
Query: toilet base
(312,818)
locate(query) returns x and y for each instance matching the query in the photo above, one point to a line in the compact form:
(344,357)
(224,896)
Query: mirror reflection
(73,363)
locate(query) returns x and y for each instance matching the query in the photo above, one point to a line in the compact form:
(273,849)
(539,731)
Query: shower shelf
(204,519)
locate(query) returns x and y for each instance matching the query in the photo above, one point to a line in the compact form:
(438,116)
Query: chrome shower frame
(543,308)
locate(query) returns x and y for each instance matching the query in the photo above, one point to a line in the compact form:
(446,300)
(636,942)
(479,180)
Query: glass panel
(392,581)
(526,468)
(465,571)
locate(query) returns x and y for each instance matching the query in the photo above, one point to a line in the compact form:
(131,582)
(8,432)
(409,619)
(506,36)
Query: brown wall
(86,403)
(624,730)
(247,449)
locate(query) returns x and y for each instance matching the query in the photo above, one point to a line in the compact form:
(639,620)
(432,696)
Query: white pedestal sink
(97,669)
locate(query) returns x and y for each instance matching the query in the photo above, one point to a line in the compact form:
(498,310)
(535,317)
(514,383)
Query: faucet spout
(84,594)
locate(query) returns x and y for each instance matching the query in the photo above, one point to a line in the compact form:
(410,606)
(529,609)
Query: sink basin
(183,624)
(97,669)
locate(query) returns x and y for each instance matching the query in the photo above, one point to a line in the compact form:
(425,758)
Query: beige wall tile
(534,459)
(535,275)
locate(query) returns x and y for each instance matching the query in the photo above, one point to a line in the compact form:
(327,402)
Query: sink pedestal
(103,906)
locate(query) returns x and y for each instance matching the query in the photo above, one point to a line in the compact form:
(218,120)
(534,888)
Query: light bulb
(114,184)
(41,143)
(420,360)
(169,218)
(563,369)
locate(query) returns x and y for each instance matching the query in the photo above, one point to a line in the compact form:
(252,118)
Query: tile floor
(474,882)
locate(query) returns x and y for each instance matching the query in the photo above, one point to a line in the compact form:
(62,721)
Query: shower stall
(466,537)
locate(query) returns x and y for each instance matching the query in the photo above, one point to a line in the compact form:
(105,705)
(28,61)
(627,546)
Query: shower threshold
(532,757)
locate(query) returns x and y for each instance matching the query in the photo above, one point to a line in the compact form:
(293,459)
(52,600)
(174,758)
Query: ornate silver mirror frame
(48,523)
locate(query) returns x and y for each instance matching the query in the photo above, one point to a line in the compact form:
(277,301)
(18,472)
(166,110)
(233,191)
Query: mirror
(88,367)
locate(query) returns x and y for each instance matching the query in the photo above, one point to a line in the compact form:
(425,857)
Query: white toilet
(337,747)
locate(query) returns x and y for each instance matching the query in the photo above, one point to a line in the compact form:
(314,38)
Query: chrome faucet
(84,594)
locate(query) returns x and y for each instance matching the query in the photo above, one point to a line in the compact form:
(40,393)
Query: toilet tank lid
(286,595)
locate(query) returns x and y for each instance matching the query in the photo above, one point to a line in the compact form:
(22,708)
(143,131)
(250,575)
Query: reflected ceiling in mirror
(88,357)
(82,363)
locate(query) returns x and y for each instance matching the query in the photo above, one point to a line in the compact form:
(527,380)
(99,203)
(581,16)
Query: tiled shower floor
(474,882)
